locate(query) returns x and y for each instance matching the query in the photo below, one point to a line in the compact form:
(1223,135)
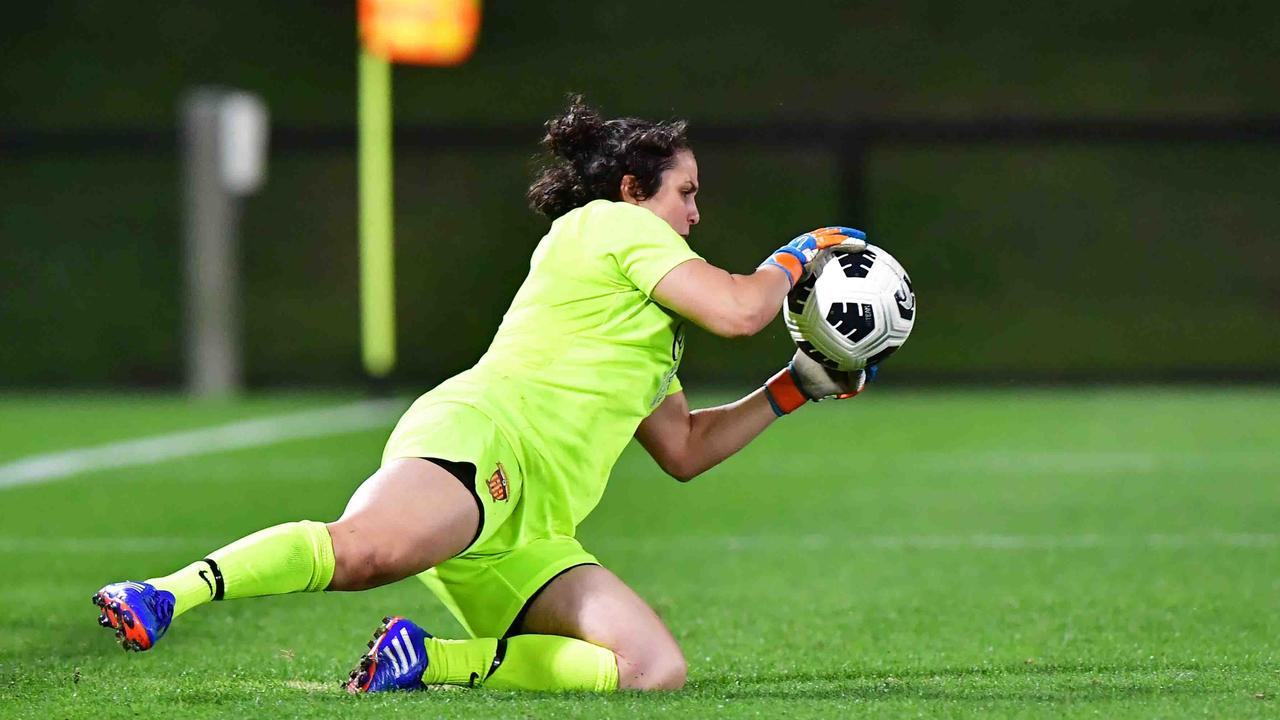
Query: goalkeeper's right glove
(796,255)
(805,379)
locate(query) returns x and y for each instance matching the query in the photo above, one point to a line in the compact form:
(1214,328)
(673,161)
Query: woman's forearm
(716,433)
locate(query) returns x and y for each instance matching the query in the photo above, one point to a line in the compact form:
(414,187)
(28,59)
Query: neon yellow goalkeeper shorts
(488,585)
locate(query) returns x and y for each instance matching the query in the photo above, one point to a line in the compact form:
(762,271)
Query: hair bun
(578,134)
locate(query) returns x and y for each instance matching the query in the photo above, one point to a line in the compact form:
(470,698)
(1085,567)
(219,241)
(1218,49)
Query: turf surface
(1010,553)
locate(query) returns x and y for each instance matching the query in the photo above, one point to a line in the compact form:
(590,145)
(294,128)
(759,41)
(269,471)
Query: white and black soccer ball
(855,309)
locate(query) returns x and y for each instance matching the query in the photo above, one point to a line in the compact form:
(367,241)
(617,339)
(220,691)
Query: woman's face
(676,199)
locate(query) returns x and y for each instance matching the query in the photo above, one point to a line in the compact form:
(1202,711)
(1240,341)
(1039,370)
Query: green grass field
(959,553)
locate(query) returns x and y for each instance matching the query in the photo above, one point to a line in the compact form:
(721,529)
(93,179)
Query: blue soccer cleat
(396,659)
(139,613)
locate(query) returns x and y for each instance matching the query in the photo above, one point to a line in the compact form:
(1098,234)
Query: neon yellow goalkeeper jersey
(582,356)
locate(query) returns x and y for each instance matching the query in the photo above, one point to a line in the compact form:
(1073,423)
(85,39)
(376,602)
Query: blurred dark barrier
(1043,250)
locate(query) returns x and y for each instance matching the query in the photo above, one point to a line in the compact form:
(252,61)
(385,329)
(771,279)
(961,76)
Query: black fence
(851,142)
(1184,211)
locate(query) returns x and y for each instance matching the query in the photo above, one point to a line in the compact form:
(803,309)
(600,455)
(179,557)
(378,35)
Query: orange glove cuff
(788,264)
(783,393)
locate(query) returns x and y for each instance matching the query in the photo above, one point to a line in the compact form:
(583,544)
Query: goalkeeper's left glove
(794,257)
(805,379)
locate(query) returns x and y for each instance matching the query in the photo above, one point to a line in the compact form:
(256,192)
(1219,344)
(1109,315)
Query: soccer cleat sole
(360,677)
(120,617)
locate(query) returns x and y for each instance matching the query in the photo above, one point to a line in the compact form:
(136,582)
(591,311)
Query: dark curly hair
(590,155)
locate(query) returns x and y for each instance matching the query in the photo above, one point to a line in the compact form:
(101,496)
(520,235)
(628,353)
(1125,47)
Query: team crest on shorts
(498,484)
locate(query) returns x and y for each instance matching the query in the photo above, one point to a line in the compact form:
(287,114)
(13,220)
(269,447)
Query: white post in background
(224,159)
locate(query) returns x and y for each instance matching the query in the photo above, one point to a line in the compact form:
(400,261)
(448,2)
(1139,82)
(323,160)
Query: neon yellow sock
(528,662)
(288,558)
(459,662)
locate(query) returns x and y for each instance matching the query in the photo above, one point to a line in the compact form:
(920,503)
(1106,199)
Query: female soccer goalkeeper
(486,477)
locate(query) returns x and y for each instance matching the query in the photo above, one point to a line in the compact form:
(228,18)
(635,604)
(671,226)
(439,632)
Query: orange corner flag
(421,32)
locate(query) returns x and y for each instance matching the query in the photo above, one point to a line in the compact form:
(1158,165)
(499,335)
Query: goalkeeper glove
(805,379)
(794,257)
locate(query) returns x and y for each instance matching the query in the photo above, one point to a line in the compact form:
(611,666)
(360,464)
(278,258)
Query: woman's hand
(805,379)
(794,257)
(819,382)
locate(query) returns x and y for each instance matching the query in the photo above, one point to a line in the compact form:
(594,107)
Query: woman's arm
(720,302)
(737,305)
(686,444)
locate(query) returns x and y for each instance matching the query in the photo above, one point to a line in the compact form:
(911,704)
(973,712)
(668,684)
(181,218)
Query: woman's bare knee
(665,670)
(360,563)
(592,604)
(651,662)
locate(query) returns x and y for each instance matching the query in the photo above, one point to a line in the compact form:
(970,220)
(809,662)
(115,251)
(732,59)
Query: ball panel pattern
(853,309)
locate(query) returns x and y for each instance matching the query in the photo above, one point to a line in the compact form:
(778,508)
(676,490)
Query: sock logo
(204,575)
(218,587)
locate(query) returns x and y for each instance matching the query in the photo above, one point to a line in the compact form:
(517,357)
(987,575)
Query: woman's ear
(628,190)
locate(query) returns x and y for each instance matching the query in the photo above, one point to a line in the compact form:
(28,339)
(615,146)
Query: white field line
(731,543)
(258,432)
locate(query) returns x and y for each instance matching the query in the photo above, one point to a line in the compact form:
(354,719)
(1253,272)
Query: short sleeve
(643,244)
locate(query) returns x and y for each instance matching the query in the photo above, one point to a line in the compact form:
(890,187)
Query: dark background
(1079,193)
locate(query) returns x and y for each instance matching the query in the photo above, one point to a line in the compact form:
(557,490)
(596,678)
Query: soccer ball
(854,309)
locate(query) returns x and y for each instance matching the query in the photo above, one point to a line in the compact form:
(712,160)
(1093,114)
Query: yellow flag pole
(377,251)
(427,32)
